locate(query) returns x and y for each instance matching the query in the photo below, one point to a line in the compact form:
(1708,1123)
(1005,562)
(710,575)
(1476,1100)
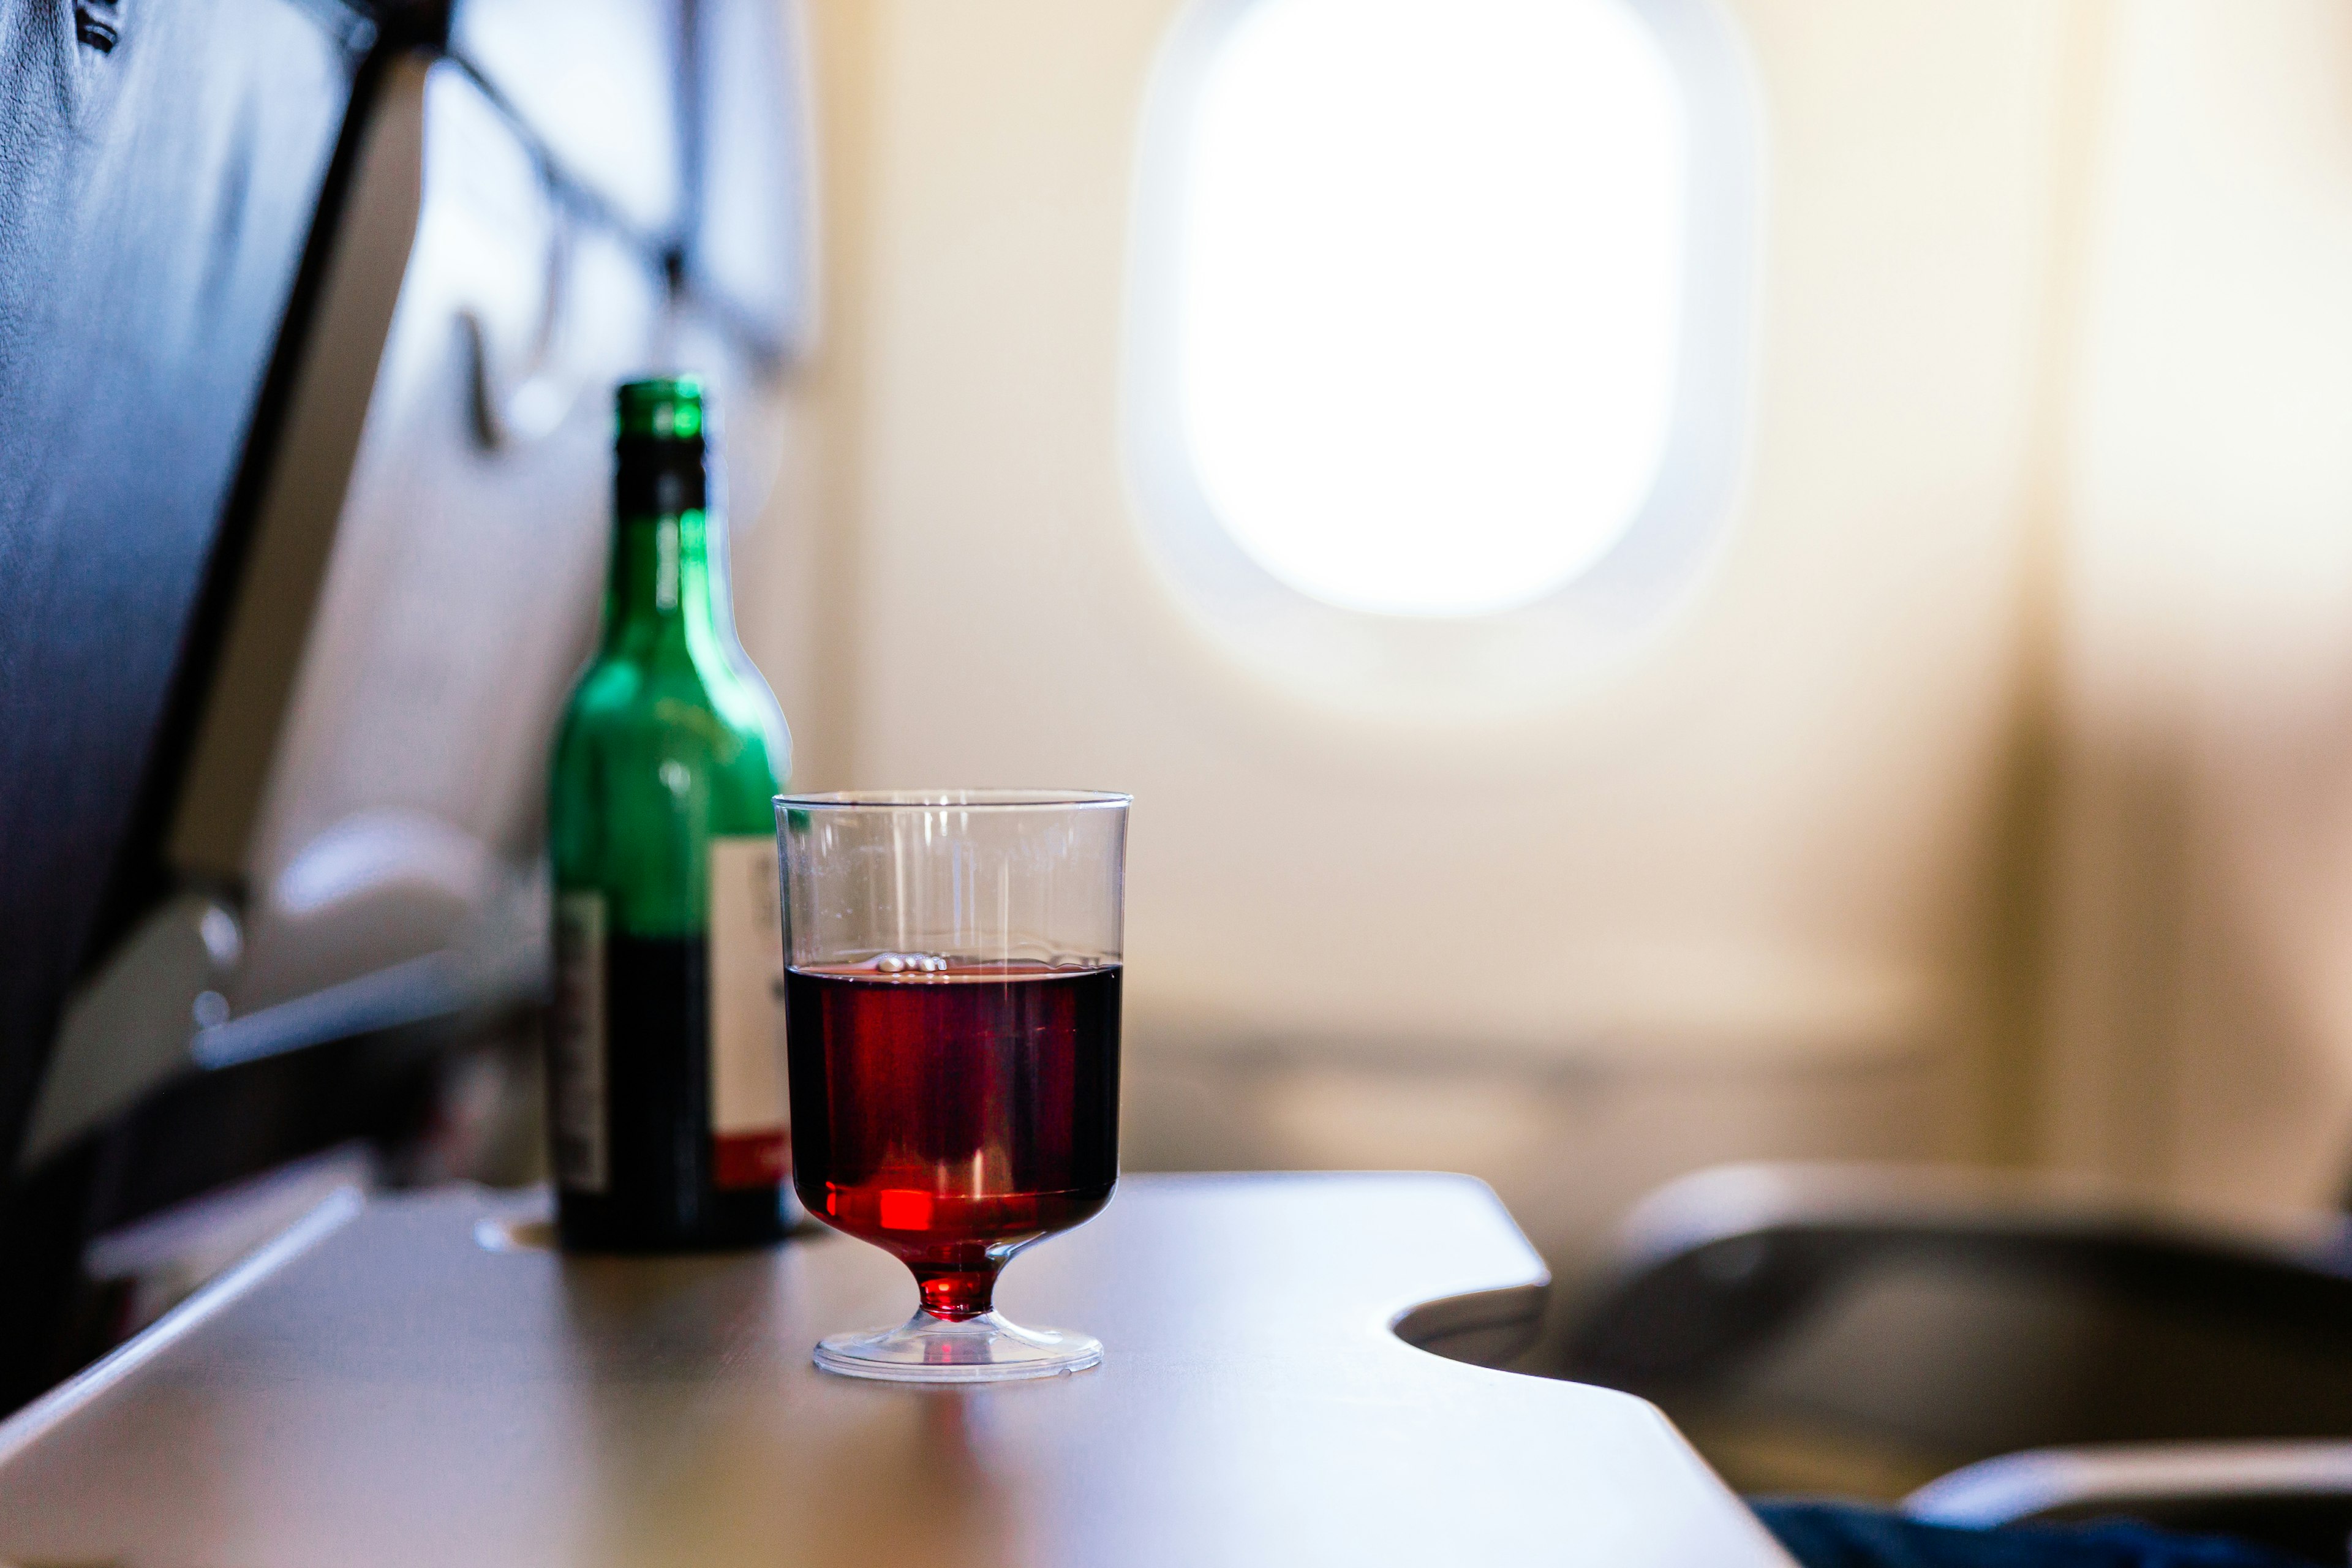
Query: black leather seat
(1864,1330)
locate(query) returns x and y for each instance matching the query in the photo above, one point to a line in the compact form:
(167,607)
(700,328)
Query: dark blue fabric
(1840,1535)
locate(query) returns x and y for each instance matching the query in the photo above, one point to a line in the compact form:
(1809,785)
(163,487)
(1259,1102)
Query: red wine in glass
(951,999)
(953,1111)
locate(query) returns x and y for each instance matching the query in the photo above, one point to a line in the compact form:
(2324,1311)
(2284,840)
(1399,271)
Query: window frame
(1597,616)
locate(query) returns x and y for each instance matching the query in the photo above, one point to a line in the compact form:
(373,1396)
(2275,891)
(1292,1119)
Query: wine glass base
(985,1349)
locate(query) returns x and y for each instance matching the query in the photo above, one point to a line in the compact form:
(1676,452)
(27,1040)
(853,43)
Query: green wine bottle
(667,1106)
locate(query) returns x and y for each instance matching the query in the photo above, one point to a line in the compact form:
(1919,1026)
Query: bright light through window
(1429,293)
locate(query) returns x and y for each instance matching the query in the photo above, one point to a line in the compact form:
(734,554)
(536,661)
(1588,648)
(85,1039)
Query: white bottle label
(577,1105)
(749,1117)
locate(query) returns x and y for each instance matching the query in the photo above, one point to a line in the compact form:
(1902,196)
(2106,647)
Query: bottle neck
(667,583)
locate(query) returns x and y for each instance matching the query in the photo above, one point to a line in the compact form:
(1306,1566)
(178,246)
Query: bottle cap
(665,408)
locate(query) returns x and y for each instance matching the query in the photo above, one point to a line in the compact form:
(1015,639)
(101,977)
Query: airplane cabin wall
(1736,895)
(2201,1033)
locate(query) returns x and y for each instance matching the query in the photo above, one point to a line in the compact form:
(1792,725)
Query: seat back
(1864,1331)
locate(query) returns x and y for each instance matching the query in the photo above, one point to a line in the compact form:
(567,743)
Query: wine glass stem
(957,1294)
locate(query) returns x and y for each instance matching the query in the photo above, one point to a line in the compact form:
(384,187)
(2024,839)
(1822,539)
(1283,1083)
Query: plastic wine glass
(952,1003)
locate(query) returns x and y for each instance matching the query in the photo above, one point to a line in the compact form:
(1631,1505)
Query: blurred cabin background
(1949,758)
(1989,798)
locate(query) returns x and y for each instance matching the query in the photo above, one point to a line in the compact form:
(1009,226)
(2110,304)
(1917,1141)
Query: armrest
(2296,1498)
(2131,1478)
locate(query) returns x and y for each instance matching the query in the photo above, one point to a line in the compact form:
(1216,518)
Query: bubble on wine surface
(895,964)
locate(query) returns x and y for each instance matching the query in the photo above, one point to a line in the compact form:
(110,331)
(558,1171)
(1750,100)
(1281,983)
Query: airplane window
(1426,292)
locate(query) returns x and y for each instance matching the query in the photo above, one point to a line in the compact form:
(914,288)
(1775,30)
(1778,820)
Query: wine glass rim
(954,800)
